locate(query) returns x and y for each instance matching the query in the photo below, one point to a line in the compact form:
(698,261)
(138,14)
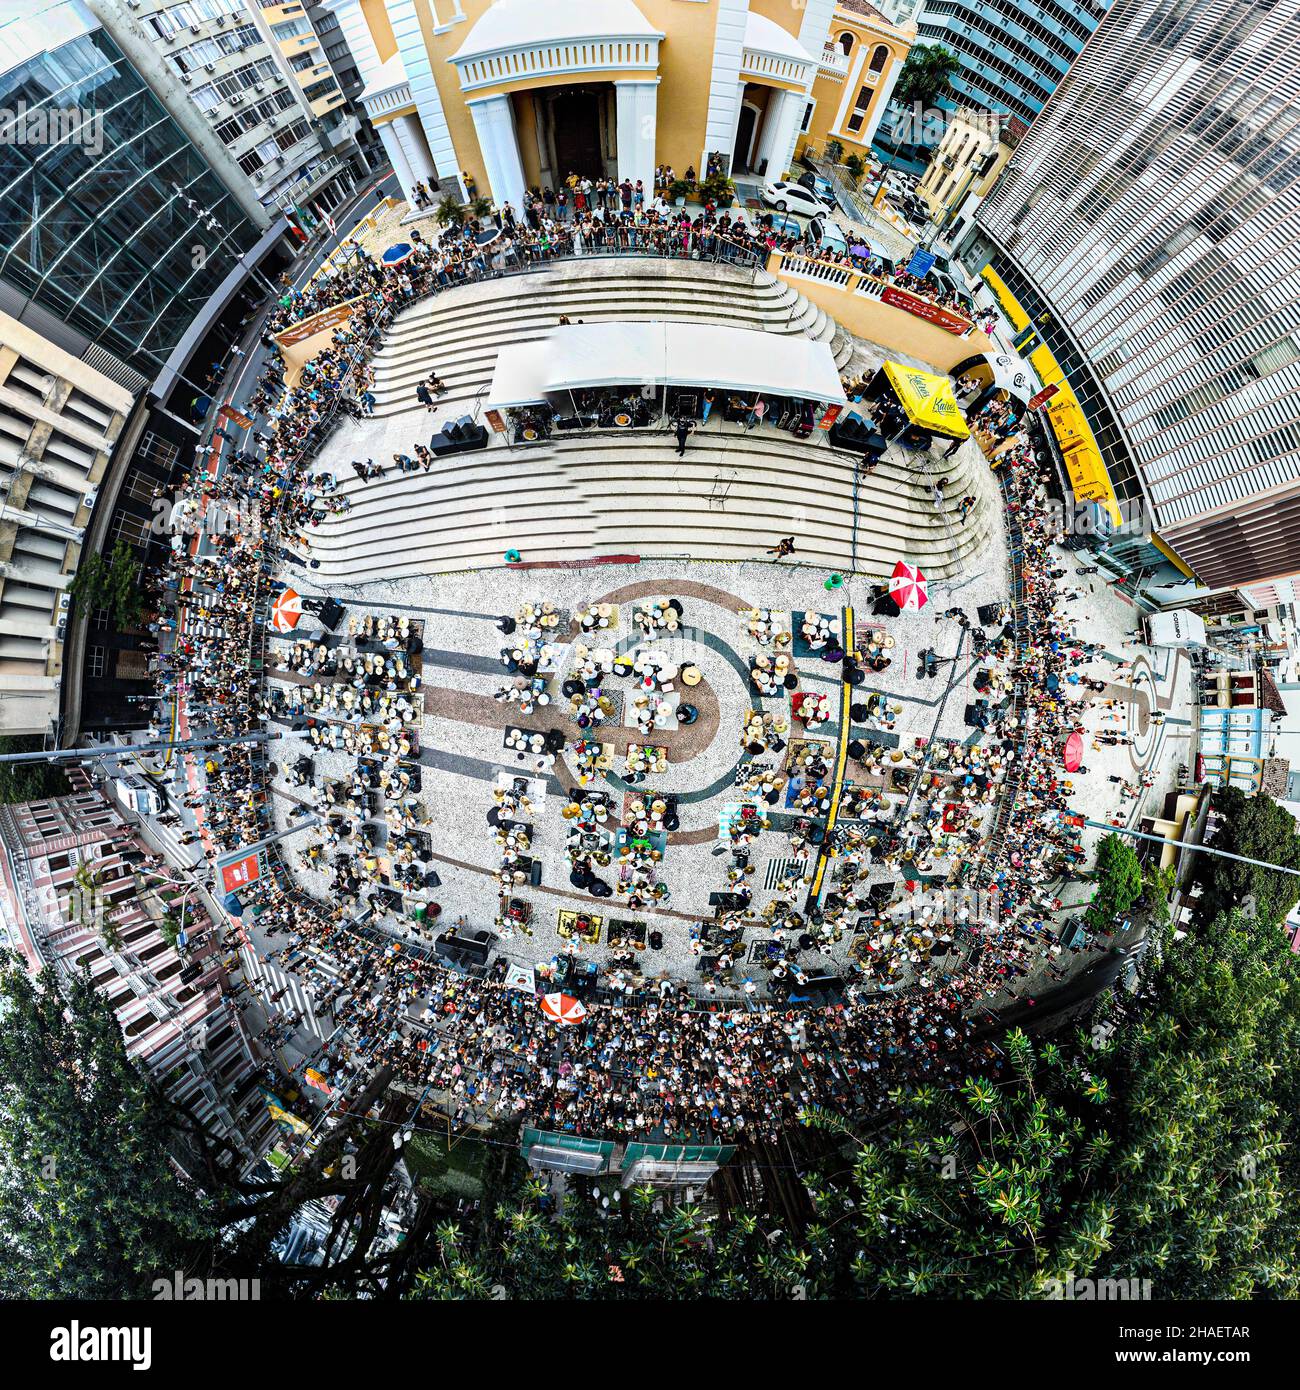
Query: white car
(794,197)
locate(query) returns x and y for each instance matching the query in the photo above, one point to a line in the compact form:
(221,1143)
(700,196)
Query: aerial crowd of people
(972,830)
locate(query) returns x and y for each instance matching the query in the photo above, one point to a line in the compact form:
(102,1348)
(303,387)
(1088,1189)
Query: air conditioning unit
(186,78)
(260,86)
(61,630)
(208,67)
(91,498)
(65,602)
(236,99)
(194,29)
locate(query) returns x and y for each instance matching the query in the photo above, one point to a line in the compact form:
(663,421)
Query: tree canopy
(90,1204)
(28,781)
(1258,827)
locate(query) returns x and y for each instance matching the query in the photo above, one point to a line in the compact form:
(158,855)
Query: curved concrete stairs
(583,495)
(459,332)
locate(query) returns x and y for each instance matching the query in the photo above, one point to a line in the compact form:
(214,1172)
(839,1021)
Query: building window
(99,618)
(878,59)
(157,451)
(132,529)
(846,44)
(96,660)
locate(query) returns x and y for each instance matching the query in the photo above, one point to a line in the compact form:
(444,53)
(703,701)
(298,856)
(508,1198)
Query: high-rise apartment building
(1013,52)
(1144,237)
(258,75)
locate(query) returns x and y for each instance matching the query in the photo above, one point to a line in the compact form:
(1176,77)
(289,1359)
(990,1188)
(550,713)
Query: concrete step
(725,500)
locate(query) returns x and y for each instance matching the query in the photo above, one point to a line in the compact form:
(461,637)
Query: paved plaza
(464,756)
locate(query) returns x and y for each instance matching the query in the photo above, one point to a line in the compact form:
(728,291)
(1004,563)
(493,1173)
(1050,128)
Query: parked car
(794,197)
(829,235)
(823,188)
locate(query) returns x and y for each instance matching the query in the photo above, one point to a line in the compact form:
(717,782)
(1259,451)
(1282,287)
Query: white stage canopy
(581,355)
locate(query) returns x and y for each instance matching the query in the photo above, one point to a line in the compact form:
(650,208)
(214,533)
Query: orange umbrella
(286,610)
(563,1008)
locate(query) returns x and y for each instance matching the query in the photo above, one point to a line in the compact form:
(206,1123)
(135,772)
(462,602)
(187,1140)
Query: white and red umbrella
(286,610)
(907,586)
(563,1008)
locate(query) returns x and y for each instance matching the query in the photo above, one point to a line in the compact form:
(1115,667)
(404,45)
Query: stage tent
(740,360)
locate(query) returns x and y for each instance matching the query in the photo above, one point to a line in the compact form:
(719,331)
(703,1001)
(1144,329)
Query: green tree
(113,584)
(1258,827)
(90,1205)
(616,1249)
(1119,883)
(28,781)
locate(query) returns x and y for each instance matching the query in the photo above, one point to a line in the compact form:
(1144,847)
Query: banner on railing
(924,309)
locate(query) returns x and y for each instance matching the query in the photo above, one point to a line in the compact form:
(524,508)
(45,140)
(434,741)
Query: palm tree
(925,76)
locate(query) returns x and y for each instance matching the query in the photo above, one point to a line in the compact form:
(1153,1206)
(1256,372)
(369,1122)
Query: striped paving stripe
(777,869)
(275,979)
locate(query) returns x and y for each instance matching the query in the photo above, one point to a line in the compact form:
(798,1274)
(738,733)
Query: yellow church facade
(507,95)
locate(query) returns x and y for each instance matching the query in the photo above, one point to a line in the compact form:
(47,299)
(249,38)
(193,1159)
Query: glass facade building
(110,219)
(1148,223)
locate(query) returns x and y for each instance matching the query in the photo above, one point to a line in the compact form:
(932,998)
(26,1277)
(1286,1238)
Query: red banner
(924,309)
(829,416)
(240,872)
(1041,397)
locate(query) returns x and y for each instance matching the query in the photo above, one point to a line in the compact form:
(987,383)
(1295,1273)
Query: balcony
(834,60)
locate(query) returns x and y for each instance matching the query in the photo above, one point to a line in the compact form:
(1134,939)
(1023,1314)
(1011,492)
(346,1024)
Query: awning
(520,376)
(582,355)
(927,399)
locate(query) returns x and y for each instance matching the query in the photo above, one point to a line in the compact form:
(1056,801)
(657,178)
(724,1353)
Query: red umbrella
(1072,753)
(907,586)
(286,610)
(563,1008)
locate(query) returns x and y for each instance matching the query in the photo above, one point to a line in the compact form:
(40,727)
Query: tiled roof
(867,11)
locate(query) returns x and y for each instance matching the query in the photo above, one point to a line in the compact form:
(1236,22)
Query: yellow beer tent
(928,400)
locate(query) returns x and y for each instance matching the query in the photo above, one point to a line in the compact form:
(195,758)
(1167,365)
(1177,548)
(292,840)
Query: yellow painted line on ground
(841,755)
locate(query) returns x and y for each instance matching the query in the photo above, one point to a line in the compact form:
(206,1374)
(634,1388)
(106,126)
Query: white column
(424,91)
(416,148)
(725,85)
(638,105)
(357,33)
(780,130)
(881,101)
(814,28)
(494,124)
(397,157)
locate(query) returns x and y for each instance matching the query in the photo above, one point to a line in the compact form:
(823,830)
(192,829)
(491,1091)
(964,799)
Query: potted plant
(449,212)
(856,167)
(480,208)
(834,151)
(679,190)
